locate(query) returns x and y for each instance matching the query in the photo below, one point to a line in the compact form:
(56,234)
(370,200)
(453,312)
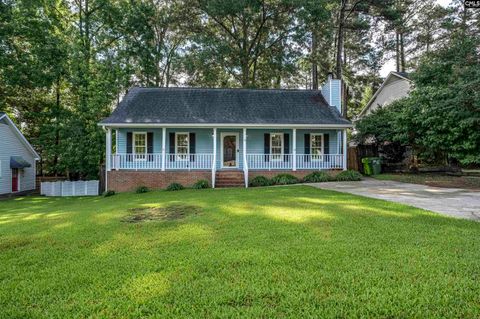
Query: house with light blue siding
(17,159)
(226,136)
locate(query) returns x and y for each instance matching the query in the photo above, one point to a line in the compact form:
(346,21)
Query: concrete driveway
(453,202)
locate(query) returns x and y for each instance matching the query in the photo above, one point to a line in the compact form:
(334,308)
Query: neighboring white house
(396,86)
(17,159)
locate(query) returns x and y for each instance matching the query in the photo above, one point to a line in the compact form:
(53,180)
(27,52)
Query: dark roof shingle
(224,106)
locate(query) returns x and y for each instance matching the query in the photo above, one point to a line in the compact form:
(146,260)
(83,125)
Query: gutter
(224,125)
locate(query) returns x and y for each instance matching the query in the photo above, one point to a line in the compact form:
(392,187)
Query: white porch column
(245,165)
(116,159)
(164,139)
(214,161)
(108,153)
(116,141)
(108,150)
(345,150)
(294,147)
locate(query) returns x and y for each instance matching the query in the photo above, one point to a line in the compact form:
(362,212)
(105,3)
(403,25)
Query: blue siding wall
(204,143)
(333,145)
(335,88)
(122,139)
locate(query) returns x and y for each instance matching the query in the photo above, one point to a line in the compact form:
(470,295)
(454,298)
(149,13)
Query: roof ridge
(219,89)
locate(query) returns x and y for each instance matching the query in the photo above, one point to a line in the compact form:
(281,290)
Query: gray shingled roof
(224,106)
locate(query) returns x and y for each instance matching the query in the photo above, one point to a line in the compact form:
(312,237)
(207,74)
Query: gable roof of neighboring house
(224,106)
(401,75)
(19,134)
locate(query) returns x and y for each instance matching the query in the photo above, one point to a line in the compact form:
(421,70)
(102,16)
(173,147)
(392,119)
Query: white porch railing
(269,161)
(328,161)
(285,161)
(189,161)
(154,161)
(205,161)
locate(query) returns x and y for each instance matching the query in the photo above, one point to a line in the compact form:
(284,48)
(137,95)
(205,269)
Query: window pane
(316,141)
(140,146)
(182,140)
(276,150)
(276,146)
(316,146)
(276,140)
(182,146)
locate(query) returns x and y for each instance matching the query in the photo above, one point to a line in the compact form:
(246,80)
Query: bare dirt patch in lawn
(171,212)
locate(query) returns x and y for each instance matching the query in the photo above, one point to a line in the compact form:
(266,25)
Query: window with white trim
(182,145)
(316,146)
(276,146)
(140,146)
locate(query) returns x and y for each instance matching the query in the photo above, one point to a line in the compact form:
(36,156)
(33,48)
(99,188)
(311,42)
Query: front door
(14,180)
(229,150)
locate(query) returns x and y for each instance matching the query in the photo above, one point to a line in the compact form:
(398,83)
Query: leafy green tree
(244,37)
(441,117)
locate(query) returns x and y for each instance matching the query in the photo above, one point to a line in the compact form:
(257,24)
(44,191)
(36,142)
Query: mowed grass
(281,252)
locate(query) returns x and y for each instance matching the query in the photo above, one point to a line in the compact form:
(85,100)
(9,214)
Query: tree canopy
(441,116)
(65,64)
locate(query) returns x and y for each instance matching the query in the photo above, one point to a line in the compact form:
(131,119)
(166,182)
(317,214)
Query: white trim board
(221,125)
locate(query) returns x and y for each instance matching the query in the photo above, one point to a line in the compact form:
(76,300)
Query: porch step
(229,179)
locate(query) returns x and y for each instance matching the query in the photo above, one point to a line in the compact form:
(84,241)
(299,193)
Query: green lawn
(270,252)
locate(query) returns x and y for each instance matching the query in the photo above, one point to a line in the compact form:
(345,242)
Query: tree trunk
(167,76)
(313,54)
(402,53)
(397,51)
(245,73)
(57,130)
(344,91)
(340,40)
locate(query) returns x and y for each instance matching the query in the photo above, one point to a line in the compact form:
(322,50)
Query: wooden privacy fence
(356,153)
(67,188)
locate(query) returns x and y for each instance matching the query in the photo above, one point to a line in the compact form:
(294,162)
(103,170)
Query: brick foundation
(299,173)
(127,181)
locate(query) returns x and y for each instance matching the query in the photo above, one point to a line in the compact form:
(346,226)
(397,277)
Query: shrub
(259,181)
(284,179)
(175,187)
(202,183)
(142,189)
(349,176)
(108,193)
(317,177)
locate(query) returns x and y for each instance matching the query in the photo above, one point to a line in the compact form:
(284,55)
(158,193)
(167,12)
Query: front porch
(157,161)
(188,149)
